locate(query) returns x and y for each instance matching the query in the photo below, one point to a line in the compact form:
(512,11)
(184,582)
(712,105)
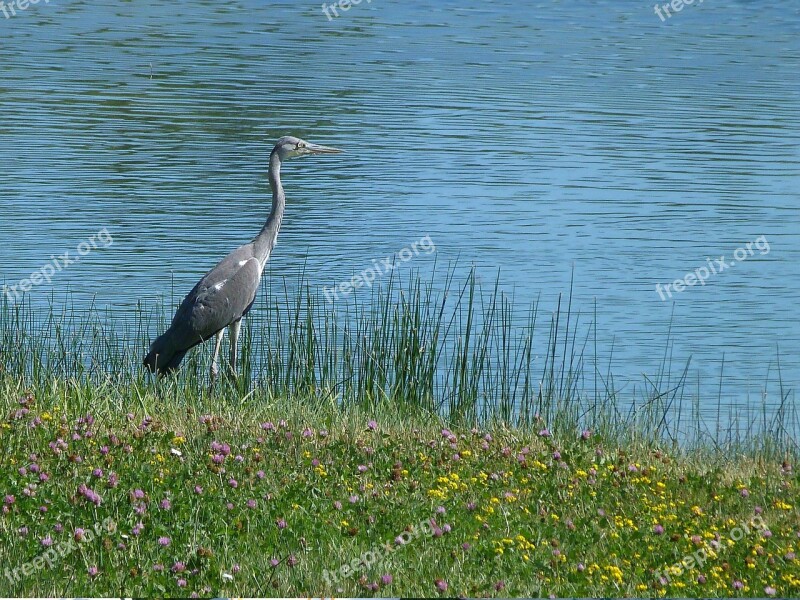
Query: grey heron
(226,293)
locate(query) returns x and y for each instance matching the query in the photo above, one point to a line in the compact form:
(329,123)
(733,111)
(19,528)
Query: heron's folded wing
(217,306)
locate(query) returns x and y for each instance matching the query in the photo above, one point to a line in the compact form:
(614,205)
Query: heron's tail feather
(174,363)
(163,357)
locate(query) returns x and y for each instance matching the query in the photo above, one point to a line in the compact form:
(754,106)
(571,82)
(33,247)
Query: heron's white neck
(265,240)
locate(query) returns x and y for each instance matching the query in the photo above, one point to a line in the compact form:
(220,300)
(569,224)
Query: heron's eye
(301,145)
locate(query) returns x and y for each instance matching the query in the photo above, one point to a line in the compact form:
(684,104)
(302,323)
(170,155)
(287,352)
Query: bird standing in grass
(226,293)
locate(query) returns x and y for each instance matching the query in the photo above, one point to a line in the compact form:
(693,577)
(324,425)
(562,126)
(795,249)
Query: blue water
(585,139)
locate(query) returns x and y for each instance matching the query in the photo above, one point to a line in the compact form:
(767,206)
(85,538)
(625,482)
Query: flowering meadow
(149,493)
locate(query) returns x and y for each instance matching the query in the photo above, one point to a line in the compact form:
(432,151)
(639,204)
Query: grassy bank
(165,492)
(422,441)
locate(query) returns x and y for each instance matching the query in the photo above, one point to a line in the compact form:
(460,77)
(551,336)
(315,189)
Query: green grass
(414,405)
(528,513)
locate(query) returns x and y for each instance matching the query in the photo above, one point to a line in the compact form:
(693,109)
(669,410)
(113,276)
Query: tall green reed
(462,352)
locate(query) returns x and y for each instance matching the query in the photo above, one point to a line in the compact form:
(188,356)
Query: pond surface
(552,141)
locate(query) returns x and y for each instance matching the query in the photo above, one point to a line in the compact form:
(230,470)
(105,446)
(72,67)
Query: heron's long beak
(317,149)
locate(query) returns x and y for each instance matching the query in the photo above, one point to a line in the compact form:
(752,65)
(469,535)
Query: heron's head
(292,147)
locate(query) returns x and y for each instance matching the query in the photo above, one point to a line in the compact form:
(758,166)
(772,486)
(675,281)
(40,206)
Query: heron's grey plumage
(226,293)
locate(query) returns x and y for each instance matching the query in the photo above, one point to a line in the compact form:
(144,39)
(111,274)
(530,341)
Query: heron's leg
(233,335)
(215,359)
